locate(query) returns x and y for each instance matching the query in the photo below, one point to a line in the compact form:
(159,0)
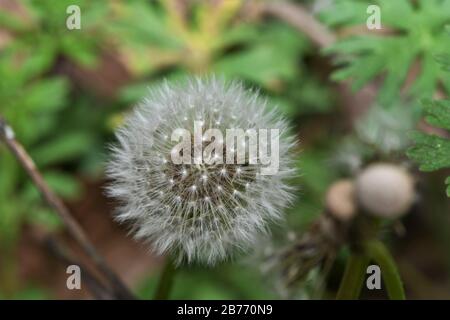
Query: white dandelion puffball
(199,210)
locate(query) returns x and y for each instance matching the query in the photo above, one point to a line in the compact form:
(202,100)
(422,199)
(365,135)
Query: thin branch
(301,19)
(96,287)
(8,137)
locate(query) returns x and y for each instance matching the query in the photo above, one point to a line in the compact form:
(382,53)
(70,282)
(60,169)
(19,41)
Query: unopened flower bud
(340,200)
(385,190)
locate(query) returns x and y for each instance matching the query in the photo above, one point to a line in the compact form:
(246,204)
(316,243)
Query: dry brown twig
(96,287)
(120,291)
(301,19)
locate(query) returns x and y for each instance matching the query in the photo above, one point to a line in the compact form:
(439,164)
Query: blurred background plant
(402,46)
(64,91)
(432,151)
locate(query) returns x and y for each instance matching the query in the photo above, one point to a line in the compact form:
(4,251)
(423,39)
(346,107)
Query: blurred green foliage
(227,281)
(65,125)
(35,101)
(431,151)
(267,55)
(416,34)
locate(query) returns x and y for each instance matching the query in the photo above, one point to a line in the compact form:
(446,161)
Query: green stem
(354,274)
(380,255)
(165,281)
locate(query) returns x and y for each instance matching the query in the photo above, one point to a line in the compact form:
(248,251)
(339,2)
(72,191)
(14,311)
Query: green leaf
(63,184)
(45,217)
(11,21)
(133,92)
(46,95)
(253,65)
(431,152)
(32,293)
(438,113)
(419,35)
(444,60)
(10,219)
(269,58)
(143,23)
(41,54)
(447,181)
(63,148)
(81,51)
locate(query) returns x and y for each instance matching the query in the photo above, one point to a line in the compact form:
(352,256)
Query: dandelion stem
(378,252)
(355,271)
(165,281)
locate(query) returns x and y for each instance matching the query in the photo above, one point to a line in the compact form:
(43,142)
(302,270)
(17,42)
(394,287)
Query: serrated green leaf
(420,36)
(430,151)
(438,114)
(433,152)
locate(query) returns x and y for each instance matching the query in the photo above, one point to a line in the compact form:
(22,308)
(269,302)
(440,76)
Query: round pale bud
(385,190)
(340,200)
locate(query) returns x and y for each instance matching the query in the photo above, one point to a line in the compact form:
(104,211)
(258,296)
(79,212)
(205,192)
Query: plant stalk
(354,274)
(391,277)
(165,281)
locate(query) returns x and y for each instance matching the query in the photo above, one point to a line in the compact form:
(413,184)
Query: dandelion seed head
(197,212)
